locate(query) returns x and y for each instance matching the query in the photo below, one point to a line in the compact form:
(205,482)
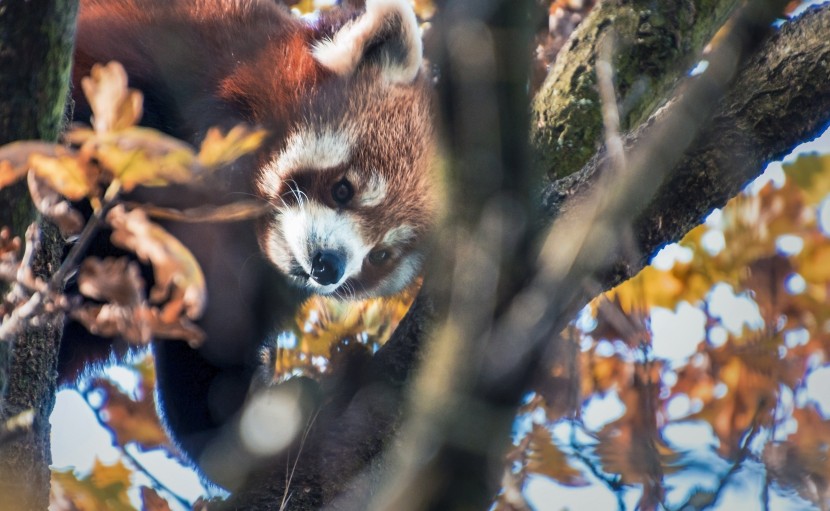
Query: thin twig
(286,496)
(613,482)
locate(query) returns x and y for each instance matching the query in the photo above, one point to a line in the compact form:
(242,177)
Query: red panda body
(347,165)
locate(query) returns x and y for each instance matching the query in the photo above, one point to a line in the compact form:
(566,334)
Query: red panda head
(351,183)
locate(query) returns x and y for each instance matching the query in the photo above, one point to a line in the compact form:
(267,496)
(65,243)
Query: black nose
(327,267)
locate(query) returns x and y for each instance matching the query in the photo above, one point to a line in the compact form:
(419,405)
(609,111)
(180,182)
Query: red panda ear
(386,33)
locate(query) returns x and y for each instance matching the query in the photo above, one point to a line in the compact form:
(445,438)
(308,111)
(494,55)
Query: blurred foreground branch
(477,369)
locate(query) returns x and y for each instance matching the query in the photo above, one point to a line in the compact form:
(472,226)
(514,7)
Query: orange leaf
(217,149)
(14,158)
(151,501)
(65,174)
(544,457)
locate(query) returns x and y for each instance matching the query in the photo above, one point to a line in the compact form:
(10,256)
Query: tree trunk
(36,40)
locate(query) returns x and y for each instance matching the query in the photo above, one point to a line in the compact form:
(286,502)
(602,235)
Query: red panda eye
(342,192)
(378,257)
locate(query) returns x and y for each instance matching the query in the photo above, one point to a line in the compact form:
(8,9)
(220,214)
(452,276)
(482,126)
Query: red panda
(347,166)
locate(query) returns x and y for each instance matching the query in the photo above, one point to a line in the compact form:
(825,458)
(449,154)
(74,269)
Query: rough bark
(655,44)
(35,56)
(780,99)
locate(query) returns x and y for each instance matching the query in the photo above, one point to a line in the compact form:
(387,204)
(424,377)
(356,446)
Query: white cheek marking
(404,273)
(306,148)
(344,51)
(374,191)
(399,235)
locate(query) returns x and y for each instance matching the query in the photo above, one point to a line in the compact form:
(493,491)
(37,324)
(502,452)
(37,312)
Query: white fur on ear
(343,52)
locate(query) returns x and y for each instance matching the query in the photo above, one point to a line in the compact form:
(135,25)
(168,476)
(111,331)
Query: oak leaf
(114,106)
(179,281)
(217,149)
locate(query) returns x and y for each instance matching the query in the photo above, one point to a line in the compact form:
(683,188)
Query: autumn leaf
(104,489)
(111,280)
(323,325)
(801,461)
(142,156)
(750,398)
(15,158)
(114,106)
(9,245)
(53,206)
(130,420)
(151,501)
(115,321)
(545,458)
(217,149)
(811,173)
(65,174)
(179,281)
(127,315)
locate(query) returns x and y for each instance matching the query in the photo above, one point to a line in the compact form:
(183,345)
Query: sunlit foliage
(767,253)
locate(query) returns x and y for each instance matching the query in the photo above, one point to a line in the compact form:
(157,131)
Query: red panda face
(352,184)
(353,198)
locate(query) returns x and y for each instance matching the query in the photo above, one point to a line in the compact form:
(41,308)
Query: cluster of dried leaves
(748,387)
(95,167)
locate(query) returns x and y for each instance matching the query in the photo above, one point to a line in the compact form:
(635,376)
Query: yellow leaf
(218,149)
(104,489)
(14,158)
(142,156)
(65,174)
(814,263)
(811,172)
(114,106)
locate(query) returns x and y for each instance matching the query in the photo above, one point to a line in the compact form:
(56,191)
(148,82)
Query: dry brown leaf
(9,245)
(130,420)
(217,149)
(151,501)
(233,212)
(112,279)
(544,457)
(114,106)
(179,281)
(180,328)
(116,321)
(53,206)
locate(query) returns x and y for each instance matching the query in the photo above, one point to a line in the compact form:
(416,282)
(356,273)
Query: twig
(741,456)
(614,483)
(287,496)
(233,212)
(73,259)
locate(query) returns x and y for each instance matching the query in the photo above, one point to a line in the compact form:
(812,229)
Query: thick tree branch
(780,98)
(657,41)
